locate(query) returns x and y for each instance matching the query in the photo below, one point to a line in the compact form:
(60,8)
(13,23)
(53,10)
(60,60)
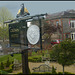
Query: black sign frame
(16,34)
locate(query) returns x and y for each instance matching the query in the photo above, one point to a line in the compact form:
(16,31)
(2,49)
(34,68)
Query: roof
(67,14)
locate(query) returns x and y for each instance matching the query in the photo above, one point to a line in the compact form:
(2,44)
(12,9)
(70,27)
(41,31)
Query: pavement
(70,68)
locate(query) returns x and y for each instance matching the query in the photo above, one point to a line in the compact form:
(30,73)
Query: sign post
(20,34)
(40,34)
(25,68)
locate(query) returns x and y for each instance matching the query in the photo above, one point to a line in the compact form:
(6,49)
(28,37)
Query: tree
(4,32)
(53,70)
(1,66)
(49,29)
(5,15)
(64,53)
(8,62)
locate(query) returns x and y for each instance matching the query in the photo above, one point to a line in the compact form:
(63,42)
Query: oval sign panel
(33,34)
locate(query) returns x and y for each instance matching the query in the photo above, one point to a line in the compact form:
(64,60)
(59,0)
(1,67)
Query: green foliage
(42,54)
(48,30)
(1,66)
(34,59)
(68,73)
(19,73)
(64,53)
(41,73)
(6,70)
(3,72)
(18,57)
(10,69)
(60,73)
(4,32)
(52,55)
(5,15)
(8,62)
(39,60)
(53,70)
(33,53)
(29,70)
(11,66)
(5,57)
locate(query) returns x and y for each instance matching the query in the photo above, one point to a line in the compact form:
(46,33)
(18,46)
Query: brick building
(66,19)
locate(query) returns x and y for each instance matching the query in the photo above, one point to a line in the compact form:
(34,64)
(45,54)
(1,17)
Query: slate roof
(65,14)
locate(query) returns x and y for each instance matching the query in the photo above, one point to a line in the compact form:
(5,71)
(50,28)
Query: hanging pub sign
(20,35)
(16,34)
(33,34)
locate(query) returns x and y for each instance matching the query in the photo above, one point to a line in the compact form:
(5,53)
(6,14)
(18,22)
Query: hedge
(35,59)
(59,73)
(10,69)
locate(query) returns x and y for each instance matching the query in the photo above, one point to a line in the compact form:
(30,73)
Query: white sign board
(33,34)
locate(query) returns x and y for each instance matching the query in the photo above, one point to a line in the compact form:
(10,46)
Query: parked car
(56,41)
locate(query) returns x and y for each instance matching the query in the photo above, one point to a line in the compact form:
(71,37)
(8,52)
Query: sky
(38,7)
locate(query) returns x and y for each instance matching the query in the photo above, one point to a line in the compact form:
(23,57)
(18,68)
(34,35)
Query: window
(67,35)
(72,23)
(57,23)
(73,36)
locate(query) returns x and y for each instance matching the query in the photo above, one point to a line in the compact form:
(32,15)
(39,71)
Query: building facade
(66,20)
